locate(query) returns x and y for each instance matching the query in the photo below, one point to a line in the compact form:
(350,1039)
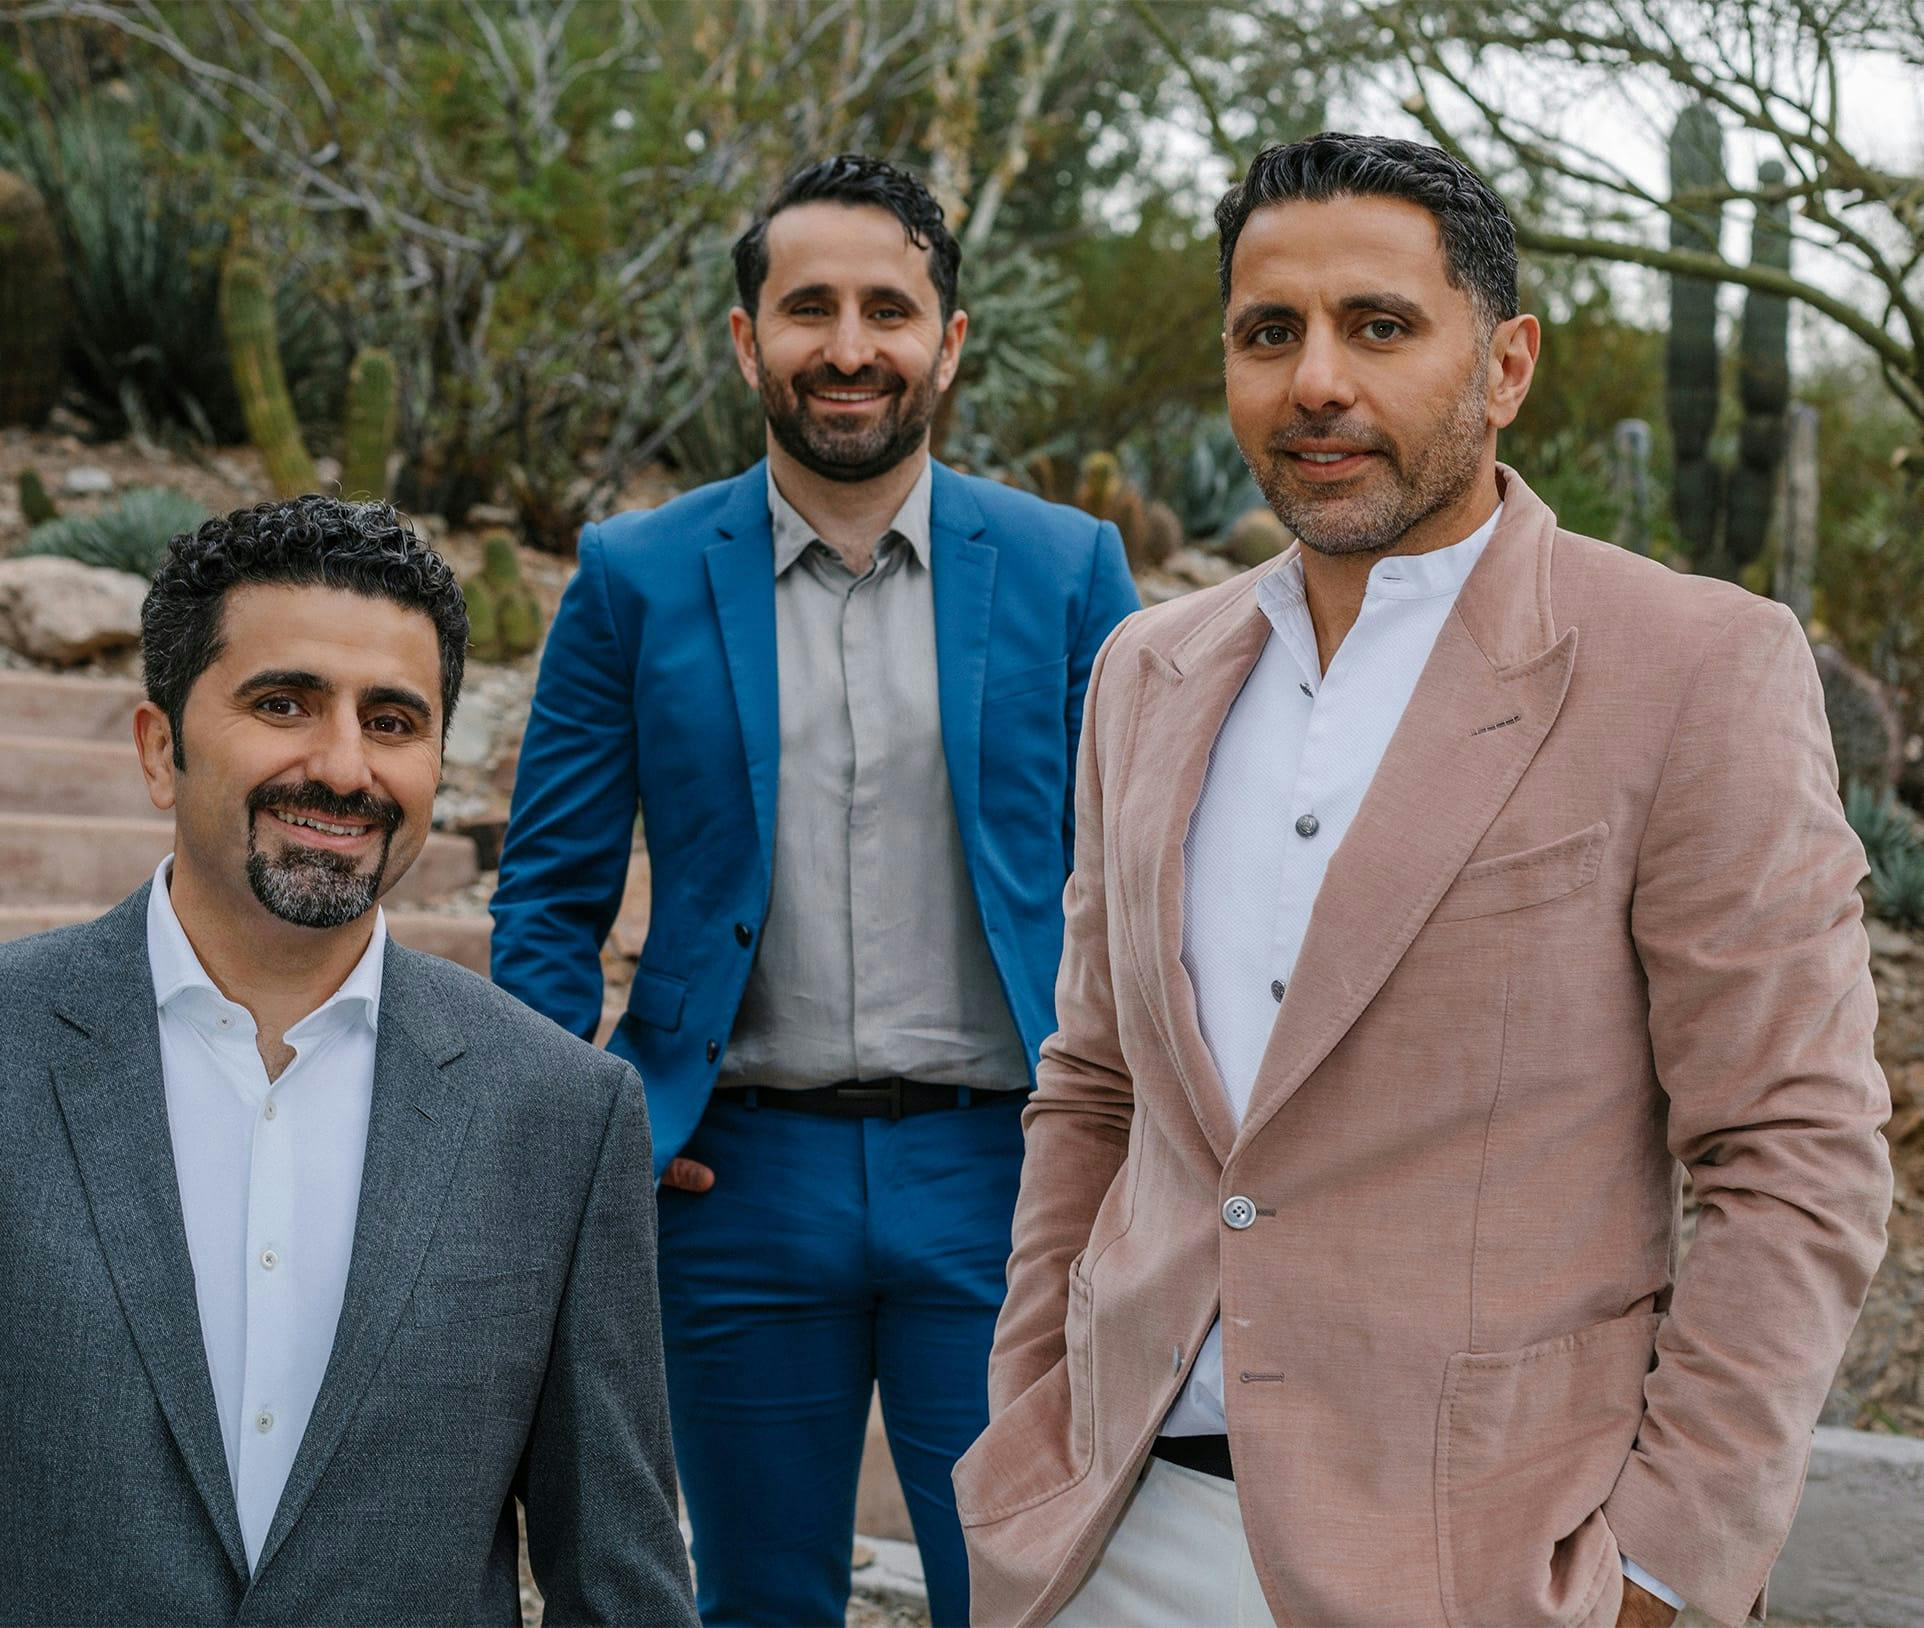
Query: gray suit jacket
(500,1335)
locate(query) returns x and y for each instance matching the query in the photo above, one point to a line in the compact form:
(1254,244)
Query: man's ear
(953,333)
(741,329)
(1513,364)
(154,740)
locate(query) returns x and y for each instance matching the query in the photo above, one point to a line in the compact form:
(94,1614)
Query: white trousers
(1176,1559)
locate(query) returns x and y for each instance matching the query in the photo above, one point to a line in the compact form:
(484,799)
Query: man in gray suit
(315,1254)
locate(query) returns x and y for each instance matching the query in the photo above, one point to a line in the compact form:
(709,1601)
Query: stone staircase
(78,834)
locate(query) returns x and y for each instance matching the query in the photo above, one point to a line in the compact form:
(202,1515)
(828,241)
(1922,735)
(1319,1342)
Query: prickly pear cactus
(369,431)
(1763,384)
(1690,359)
(247,318)
(32,304)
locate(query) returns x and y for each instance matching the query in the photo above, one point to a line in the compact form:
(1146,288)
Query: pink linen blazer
(1595,921)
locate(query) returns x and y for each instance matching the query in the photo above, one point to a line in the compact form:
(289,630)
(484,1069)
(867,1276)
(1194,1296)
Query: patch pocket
(657,998)
(442,1300)
(1534,876)
(1046,675)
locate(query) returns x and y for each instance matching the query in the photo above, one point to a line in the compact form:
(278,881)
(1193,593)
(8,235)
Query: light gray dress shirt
(873,961)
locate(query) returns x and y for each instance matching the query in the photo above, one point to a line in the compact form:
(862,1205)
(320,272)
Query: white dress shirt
(270,1185)
(1288,772)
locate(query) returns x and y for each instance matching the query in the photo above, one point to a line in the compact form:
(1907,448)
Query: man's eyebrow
(284,678)
(1392,305)
(1252,317)
(822,291)
(397,695)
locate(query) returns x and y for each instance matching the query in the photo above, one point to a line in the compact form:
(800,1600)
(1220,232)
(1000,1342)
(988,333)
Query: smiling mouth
(320,832)
(849,398)
(1326,464)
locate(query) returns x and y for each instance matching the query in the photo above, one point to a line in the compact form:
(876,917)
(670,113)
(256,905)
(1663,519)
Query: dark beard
(310,887)
(848,455)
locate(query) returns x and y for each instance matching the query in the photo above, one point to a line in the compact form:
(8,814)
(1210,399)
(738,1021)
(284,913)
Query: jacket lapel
(415,1127)
(741,575)
(1182,701)
(963,564)
(1488,696)
(113,1097)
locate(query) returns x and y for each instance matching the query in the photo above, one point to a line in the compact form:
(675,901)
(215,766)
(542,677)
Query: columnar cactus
(1690,360)
(369,430)
(32,304)
(247,318)
(504,619)
(36,507)
(1763,384)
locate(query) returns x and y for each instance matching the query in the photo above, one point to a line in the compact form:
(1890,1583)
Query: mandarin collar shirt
(1288,773)
(873,960)
(270,1183)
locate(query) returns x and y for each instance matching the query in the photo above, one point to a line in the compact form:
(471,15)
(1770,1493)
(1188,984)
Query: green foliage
(247,314)
(32,304)
(368,434)
(1897,887)
(1213,486)
(1880,822)
(484,619)
(504,618)
(131,534)
(36,507)
(1870,582)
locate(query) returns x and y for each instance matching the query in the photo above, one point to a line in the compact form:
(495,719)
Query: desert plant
(247,315)
(1897,887)
(1256,537)
(368,434)
(1763,385)
(1690,359)
(129,535)
(1213,485)
(484,619)
(32,304)
(36,507)
(1880,822)
(504,619)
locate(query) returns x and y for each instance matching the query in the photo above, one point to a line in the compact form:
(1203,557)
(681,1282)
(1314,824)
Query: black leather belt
(891,1098)
(1210,1454)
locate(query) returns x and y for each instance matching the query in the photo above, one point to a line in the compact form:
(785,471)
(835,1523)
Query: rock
(483,515)
(470,739)
(327,475)
(1864,727)
(1889,941)
(61,611)
(86,480)
(1205,570)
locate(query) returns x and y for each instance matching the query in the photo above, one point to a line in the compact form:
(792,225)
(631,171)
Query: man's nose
(337,755)
(850,346)
(1322,378)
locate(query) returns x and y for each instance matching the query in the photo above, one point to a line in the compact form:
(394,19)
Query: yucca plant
(130,535)
(1897,887)
(1880,822)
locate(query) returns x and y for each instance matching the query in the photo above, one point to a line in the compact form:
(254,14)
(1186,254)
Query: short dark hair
(313,541)
(1479,239)
(852,179)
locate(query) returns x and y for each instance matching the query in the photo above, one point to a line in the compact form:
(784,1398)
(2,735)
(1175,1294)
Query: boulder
(61,611)
(1864,727)
(86,480)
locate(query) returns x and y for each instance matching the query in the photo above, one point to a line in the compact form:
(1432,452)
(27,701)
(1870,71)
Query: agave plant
(1213,486)
(1897,887)
(131,535)
(1880,821)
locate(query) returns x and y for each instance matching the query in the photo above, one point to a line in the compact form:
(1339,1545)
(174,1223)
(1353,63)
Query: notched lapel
(113,1097)
(741,576)
(416,1124)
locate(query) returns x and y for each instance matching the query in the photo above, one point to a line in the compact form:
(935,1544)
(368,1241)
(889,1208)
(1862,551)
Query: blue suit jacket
(658,689)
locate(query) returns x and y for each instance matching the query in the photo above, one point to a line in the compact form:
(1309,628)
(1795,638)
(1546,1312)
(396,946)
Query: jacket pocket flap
(1044,675)
(657,999)
(1516,881)
(439,1300)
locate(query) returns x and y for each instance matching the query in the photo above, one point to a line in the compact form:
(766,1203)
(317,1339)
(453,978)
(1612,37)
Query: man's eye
(888,313)
(1383,328)
(391,723)
(278,706)
(1271,333)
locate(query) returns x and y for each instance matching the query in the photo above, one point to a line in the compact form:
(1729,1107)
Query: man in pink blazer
(1441,893)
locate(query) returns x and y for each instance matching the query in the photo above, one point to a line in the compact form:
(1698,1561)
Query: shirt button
(1308,826)
(1276,987)
(744,934)
(714,1050)
(269,1259)
(1306,690)
(270,1110)
(1238,1212)
(263,1421)
(223,1022)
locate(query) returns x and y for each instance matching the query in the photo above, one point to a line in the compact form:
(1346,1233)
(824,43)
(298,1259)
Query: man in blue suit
(845,691)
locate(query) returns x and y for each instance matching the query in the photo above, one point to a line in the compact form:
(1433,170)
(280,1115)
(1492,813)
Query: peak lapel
(1181,702)
(113,1097)
(962,562)
(741,576)
(415,1128)
(1487,699)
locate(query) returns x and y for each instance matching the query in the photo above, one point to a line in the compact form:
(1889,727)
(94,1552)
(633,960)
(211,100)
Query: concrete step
(461,939)
(97,860)
(40,774)
(81,709)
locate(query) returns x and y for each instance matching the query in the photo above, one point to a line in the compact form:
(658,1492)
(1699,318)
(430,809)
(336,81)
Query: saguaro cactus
(247,318)
(32,304)
(369,430)
(1763,385)
(1690,359)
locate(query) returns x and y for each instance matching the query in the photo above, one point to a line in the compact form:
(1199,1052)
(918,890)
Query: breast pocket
(1533,876)
(1044,676)
(442,1300)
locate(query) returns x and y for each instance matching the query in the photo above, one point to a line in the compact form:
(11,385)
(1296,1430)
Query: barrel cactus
(247,319)
(369,430)
(32,304)
(1763,383)
(1690,359)
(510,621)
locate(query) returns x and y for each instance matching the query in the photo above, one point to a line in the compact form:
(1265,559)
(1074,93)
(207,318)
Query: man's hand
(1642,1609)
(691,1177)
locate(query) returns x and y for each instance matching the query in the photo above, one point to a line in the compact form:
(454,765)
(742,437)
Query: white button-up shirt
(270,1186)
(1288,772)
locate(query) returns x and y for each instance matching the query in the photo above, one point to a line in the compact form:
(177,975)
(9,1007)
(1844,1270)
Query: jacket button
(744,934)
(1238,1212)
(714,1051)
(1308,826)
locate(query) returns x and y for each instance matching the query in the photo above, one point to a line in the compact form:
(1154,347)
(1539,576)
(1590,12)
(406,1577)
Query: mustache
(1331,429)
(317,798)
(828,378)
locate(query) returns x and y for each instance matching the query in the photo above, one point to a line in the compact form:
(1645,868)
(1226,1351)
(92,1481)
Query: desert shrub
(1897,887)
(1880,822)
(130,535)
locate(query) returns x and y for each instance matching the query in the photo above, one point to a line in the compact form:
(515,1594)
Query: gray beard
(308,888)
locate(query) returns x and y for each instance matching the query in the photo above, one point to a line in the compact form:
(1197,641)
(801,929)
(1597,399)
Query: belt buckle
(890,1092)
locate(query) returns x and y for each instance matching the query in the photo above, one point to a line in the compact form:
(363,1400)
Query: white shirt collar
(793,534)
(180,979)
(1395,576)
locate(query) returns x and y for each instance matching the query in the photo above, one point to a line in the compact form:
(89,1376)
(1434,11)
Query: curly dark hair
(1479,239)
(313,541)
(852,179)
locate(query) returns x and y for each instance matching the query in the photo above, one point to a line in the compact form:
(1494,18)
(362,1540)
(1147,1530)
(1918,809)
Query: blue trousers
(830,1257)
